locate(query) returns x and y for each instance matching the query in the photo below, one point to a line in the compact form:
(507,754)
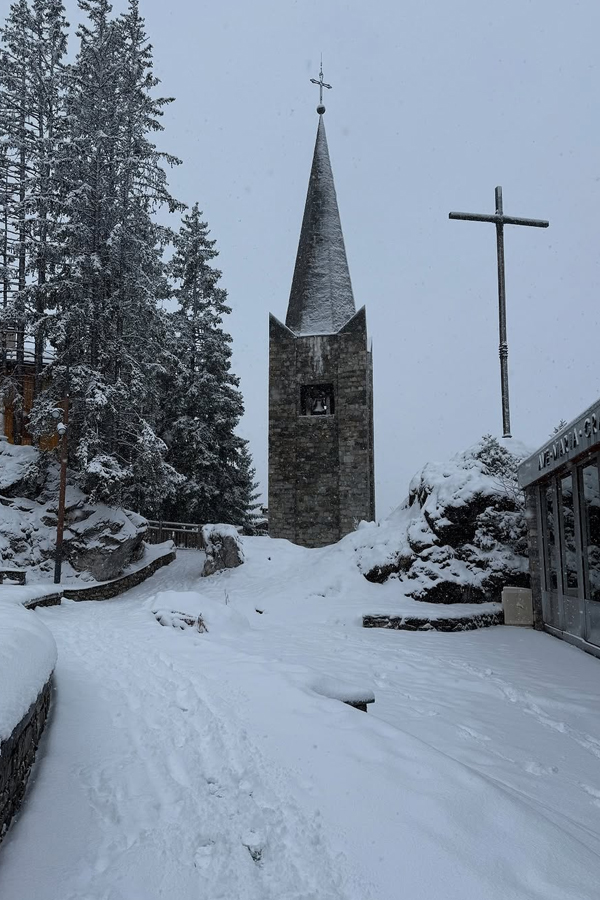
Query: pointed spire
(321,299)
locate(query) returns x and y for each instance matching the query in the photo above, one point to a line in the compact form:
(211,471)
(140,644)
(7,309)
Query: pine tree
(32,87)
(202,394)
(15,132)
(49,82)
(153,402)
(108,331)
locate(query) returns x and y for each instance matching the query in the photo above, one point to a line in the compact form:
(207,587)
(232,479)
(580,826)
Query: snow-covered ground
(200,766)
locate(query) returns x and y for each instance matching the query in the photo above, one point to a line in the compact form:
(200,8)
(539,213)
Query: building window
(570,576)
(590,514)
(550,543)
(317,400)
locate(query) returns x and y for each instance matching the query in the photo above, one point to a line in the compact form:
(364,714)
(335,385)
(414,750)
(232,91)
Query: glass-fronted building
(562,490)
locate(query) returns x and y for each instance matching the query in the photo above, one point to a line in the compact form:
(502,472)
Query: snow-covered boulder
(223,548)
(19,471)
(103,540)
(461,536)
(98,539)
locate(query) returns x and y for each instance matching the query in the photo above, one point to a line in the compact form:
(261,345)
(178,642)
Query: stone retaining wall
(17,754)
(113,588)
(456,623)
(47,600)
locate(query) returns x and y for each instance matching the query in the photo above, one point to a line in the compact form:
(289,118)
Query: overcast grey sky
(434,103)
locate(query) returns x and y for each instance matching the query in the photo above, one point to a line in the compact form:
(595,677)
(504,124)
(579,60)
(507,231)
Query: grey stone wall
(52,599)
(416,623)
(283,410)
(113,588)
(320,467)
(17,754)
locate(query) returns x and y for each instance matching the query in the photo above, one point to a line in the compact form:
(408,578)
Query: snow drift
(27,659)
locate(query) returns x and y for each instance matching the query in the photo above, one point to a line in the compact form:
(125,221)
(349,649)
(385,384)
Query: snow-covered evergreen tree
(108,330)
(15,133)
(203,404)
(32,89)
(153,402)
(49,129)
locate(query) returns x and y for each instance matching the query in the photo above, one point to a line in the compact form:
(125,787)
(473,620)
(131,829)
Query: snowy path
(205,766)
(145,792)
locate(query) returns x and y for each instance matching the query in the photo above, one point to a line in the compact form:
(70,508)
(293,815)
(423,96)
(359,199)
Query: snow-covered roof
(321,299)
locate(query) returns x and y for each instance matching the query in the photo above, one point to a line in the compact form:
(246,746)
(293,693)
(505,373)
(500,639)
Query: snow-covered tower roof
(321,299)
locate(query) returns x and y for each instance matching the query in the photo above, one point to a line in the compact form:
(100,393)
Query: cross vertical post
(500,220)
(503,346)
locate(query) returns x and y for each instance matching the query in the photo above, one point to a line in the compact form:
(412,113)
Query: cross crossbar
(498,220)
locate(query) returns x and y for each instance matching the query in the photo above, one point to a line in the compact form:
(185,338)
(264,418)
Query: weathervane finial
(321,83)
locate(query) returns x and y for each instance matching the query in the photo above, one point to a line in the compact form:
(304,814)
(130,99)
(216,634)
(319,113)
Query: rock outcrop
(461,536)
(223,548)
(98,539)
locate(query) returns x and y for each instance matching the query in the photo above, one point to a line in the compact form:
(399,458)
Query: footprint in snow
(204,853)
(537,768)
(254,844)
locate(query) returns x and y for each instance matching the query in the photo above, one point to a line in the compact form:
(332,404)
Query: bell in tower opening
(317,400)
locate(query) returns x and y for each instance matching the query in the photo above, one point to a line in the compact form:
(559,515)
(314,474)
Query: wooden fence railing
(183,534)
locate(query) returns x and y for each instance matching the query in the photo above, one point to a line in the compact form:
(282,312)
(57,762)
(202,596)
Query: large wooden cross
(500,220)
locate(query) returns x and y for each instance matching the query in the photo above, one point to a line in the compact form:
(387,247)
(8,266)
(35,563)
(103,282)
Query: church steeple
(321,299)
(321,471)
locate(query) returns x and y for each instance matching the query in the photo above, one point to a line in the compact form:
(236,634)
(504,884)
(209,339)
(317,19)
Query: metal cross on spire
(322,84)
(500,220)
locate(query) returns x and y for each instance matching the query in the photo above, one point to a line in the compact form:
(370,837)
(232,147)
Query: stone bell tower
(321,469)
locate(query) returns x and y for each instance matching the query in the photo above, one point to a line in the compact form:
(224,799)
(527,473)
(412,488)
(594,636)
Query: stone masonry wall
(282,431)
(17,754)
(316,471)
(320,467)
(355,424)
(110,589)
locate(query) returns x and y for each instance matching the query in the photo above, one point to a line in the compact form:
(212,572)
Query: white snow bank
(340,689)
(174,607)
(25,593)
(27,658)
